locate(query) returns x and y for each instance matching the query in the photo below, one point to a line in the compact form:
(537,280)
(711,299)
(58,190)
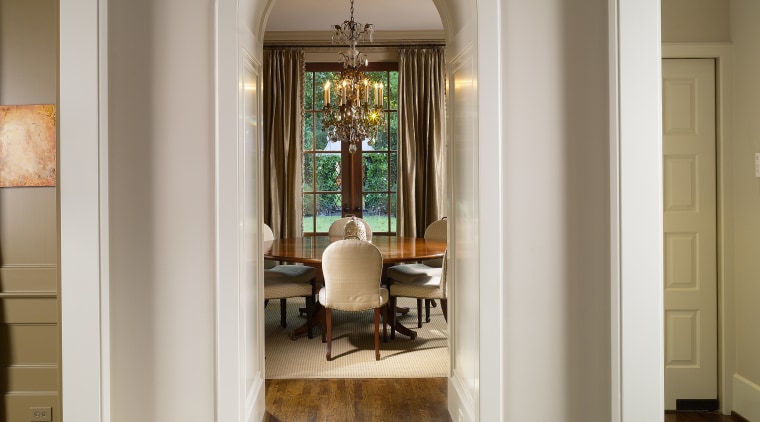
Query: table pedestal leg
(396,325)
(401,329)
(316,320)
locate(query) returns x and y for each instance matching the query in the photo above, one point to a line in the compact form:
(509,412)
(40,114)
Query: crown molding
(381,38)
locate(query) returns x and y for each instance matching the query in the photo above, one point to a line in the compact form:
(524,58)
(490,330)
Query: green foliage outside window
(321,171)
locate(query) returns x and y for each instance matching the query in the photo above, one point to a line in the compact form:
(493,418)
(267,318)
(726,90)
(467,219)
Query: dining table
(308,250)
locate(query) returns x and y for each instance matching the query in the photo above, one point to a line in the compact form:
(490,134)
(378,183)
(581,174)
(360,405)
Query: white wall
(746,142)
(161,161)
(557,208)
(473,393)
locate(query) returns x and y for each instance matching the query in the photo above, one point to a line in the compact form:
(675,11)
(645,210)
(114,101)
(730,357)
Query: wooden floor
(380,400)
(700,417)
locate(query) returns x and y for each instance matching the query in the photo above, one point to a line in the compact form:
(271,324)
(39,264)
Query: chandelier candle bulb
(354,120)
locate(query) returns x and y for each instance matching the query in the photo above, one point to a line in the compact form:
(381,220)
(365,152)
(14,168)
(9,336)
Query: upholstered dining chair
(437,230)
(337,229)
(283,281)
(352,269)
(421,282)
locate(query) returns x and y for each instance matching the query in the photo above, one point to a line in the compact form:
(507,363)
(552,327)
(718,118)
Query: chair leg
(419,313)
(377,334)
(305,310)
(309,313)
(283,313)
(445,309)
(427,309)
(384,314)
(324,327)
(392,310)
(328,321)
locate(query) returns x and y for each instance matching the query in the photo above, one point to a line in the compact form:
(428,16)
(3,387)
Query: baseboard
(460,401)
(739,417)
(255,408)
(746,398)
(697,404)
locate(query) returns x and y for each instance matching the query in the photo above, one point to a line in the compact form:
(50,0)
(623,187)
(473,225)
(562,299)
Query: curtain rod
(363,47)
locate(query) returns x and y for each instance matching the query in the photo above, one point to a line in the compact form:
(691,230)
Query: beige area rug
(353,350)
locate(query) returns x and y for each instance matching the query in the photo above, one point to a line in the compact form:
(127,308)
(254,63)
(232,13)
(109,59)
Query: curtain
(283,141)
(421,151)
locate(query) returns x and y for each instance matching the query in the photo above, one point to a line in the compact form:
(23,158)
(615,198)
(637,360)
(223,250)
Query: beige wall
(29,357)
(746,142)
(696,21)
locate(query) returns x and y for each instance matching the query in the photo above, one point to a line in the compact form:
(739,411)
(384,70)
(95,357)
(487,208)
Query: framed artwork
(27,145)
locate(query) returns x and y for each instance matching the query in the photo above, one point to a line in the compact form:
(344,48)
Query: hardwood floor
(381,400)
(370,400)
(700,417)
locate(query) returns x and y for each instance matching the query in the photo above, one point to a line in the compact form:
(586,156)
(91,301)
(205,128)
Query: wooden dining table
(308,251)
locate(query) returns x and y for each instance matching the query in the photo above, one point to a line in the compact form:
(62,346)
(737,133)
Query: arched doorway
(462,70)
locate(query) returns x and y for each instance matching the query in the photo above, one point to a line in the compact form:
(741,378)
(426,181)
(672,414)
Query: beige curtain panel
(283,141)
(422,123)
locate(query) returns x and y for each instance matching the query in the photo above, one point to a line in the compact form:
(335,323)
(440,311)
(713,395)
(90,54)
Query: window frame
(351,176)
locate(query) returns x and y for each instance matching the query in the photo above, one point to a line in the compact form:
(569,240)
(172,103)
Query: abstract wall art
(27,145)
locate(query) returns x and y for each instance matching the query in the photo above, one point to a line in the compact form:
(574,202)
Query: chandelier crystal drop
(357,113)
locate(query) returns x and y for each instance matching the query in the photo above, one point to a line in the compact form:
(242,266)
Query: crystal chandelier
(356,115)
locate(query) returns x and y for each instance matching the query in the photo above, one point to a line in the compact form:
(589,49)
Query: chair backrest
(337,230)
(355,229)
(437,230)
(268,235)
(352,270)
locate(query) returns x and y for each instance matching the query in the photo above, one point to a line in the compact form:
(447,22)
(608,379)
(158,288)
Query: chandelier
(356,115)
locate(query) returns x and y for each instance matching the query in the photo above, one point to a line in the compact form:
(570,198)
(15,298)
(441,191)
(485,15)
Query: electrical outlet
(40,414)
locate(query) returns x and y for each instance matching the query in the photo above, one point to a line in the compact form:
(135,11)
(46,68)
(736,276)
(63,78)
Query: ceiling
(386,15)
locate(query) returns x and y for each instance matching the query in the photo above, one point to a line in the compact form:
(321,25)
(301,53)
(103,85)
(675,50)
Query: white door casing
(689,221)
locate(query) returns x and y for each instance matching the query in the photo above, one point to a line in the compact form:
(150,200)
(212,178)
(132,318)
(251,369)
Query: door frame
(84,259)
(724,206)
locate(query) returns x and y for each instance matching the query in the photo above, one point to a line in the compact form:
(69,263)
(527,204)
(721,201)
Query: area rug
(353,350)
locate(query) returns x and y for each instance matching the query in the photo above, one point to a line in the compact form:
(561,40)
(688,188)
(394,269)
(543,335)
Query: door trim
(724,207)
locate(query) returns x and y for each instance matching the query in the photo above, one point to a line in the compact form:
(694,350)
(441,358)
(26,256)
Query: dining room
(355,130)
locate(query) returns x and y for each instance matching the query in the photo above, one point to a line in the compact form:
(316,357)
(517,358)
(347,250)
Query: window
(337,183)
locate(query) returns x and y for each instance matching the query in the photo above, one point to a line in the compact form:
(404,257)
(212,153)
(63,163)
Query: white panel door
(690,263)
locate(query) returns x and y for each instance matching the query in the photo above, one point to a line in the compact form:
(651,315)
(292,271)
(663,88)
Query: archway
(248,57)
